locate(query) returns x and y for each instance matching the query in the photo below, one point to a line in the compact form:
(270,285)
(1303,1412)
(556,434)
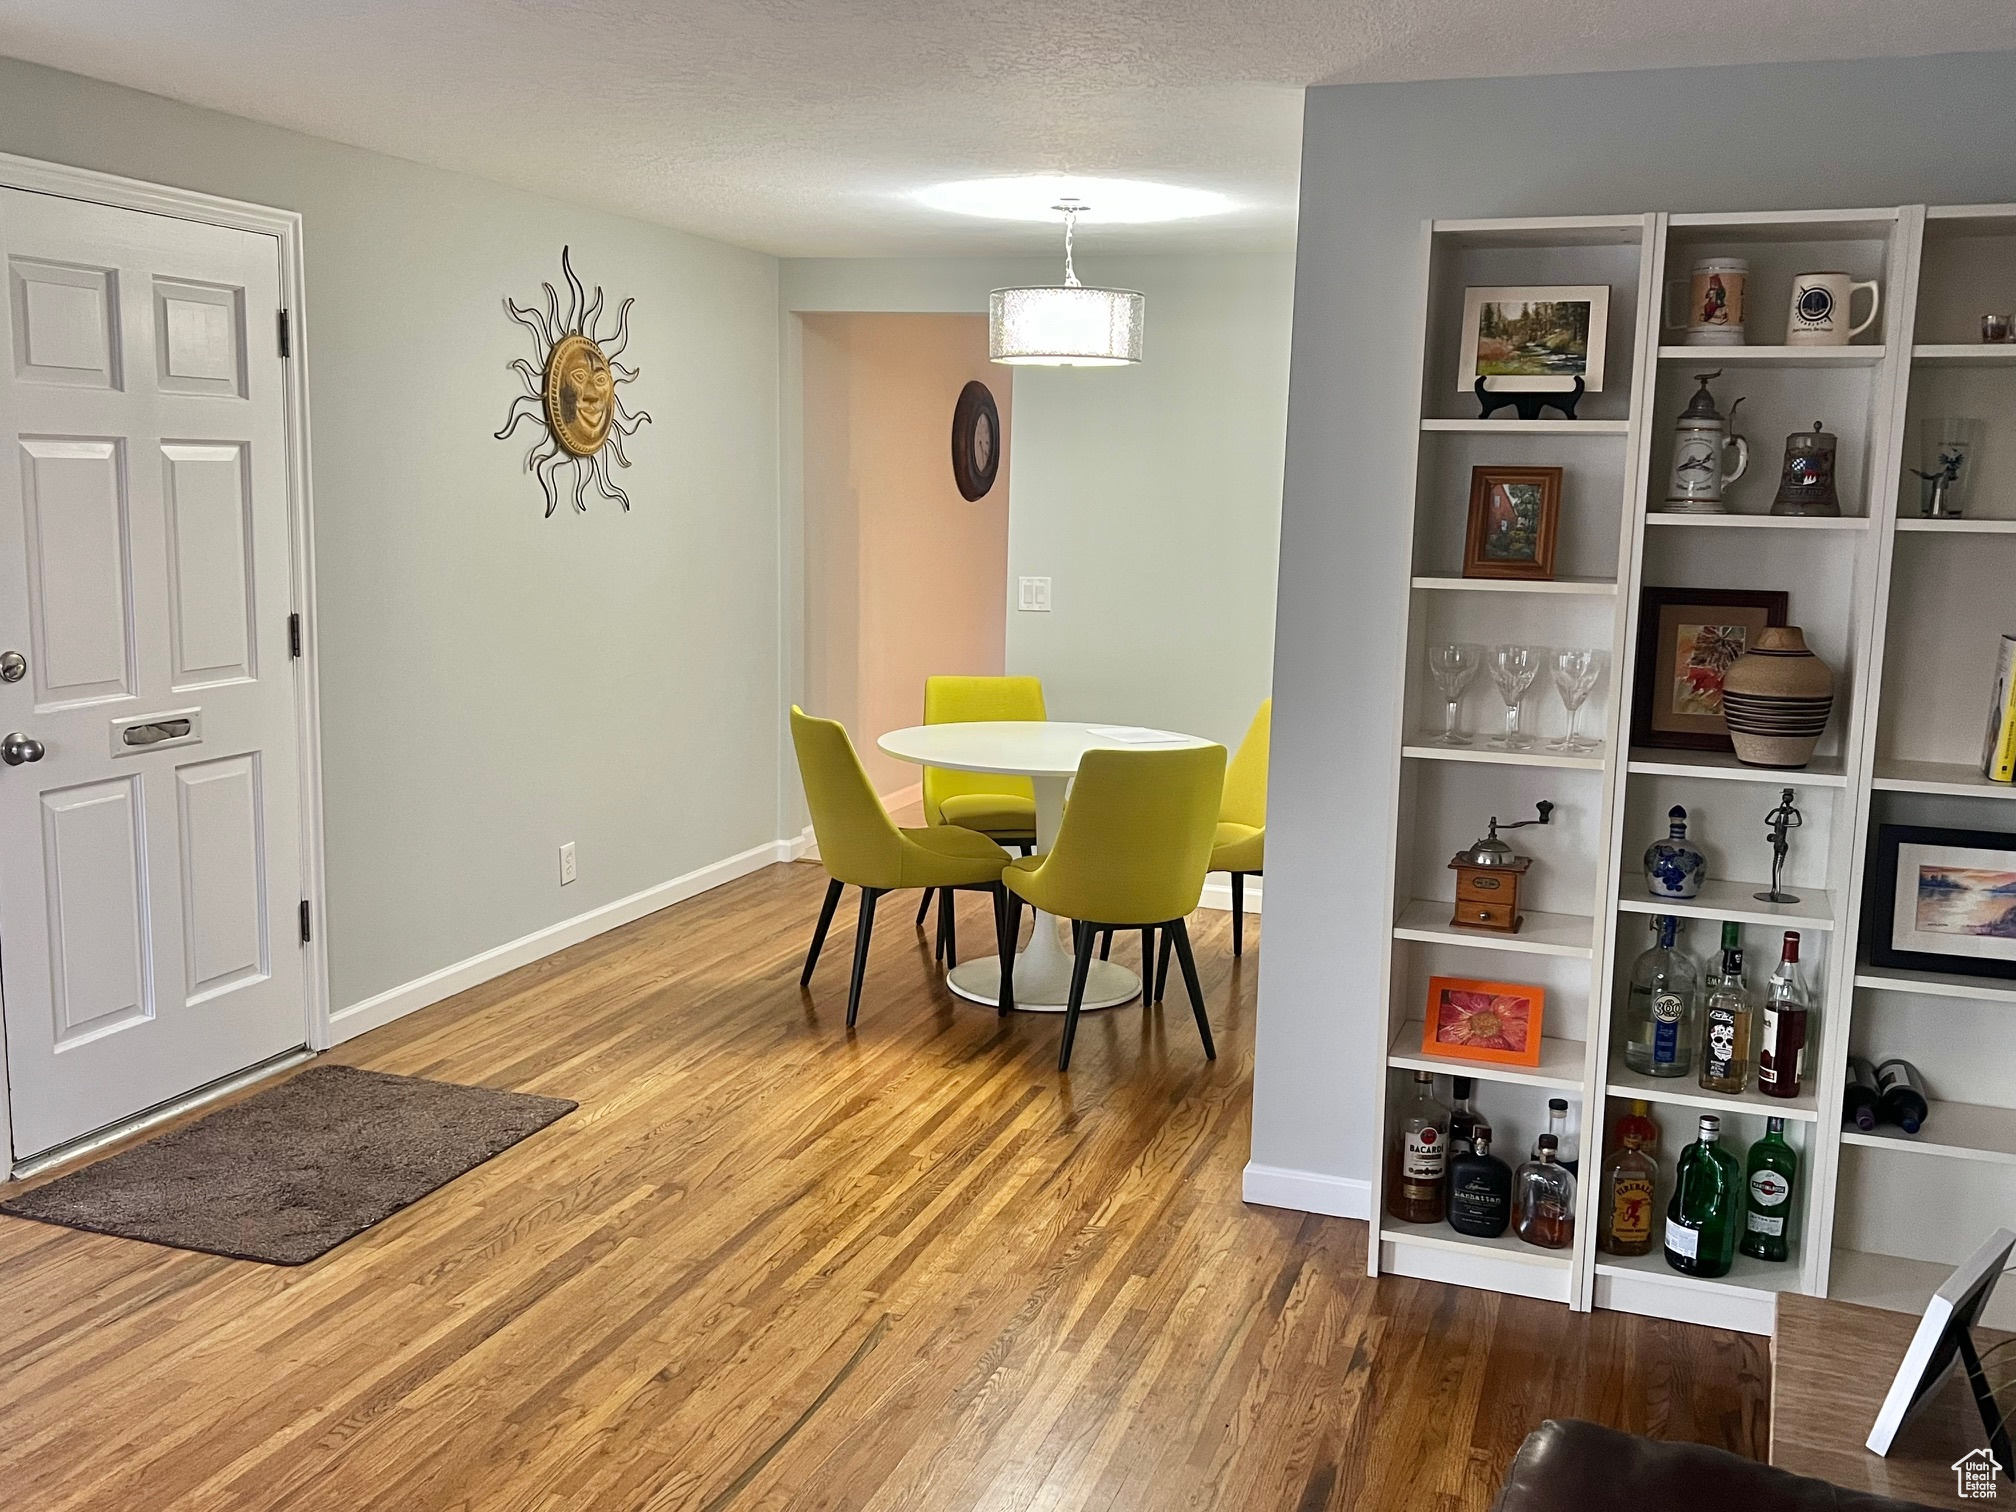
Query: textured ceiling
(798,126)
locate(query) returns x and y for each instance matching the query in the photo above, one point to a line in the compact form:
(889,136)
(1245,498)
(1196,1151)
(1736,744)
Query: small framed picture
(1514,513)
(1483,1021)
(1688,638)
(1534,339)
(1942,900)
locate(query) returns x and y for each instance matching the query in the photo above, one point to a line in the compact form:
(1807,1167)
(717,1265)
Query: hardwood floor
(769,1264)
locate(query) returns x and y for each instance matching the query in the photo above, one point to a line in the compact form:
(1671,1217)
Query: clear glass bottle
(1564,1142)
(1707,1205)
(1543,1200)
(1788,1026)
(1463,1119)
(1728,1021)
(1480,1188)
(1629,1175)
(1772,1175)
(1418,1172)
(1660,1018)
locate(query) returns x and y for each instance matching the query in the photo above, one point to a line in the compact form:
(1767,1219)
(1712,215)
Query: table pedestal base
(1107,985)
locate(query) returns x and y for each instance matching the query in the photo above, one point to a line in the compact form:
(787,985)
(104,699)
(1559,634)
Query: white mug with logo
(1820,309)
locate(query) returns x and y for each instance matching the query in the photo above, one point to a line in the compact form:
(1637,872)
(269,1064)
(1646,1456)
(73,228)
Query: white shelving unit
(1907,624)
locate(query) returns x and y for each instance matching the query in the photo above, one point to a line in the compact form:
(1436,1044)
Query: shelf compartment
(1484,755)
(1544,933)
(1759,521)
(1560,1067)
(1953,779)
(1604,586)
(1531,427)
(1685,1092)
(1721,899)
(1854,355)
(1953,1131)
(1966,525)
(1747,1274)
(1935,984)
(1441,1236)
(1965,354)
(1822,771)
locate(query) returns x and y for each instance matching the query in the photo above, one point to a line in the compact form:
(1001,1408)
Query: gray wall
(1377,161)
(1150,496)
(495,683)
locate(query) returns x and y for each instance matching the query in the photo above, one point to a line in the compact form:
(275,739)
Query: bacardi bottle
(1788,1014)
(1419,1170)
(1660,1012)
(1707,1206)
(1773,1172)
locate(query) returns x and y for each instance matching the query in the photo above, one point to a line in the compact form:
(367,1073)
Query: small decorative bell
(1806,486)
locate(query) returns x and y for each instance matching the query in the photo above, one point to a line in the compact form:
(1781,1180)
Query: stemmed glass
(1513,669)
(1576,673)
(1452,664)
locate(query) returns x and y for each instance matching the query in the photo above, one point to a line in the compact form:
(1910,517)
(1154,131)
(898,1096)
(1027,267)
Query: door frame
(284,226)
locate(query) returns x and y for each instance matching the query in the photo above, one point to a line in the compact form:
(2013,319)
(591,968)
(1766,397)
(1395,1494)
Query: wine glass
(1452,664)
(1576,673)
(1513,669)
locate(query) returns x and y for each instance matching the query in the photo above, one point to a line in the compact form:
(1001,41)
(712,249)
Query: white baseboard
(1306,1191)
(348,1023)
(903,797)
(1218,893)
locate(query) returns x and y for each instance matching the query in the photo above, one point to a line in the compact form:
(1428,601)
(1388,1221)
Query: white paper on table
(1133,734)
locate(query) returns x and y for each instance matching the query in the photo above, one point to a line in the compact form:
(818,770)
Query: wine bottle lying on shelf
(1859,1098)
(1901,1095)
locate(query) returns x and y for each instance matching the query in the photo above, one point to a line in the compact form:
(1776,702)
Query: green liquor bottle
(1707,1206)
(1773,1172)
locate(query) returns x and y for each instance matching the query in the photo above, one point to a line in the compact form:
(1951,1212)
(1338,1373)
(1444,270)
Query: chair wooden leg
(1011,936)
(1105,944)
(1181,932)
(948,927)
(924,907)
(1147,963)
(1081,967)
(862,931)
(1162,962)
(833,886)
(1238,913)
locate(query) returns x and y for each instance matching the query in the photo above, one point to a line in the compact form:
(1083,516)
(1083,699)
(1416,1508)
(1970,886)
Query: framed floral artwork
(1688,638)
(1483,1021)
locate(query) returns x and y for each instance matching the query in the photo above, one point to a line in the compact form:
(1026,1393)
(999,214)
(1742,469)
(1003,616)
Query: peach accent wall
(903,577)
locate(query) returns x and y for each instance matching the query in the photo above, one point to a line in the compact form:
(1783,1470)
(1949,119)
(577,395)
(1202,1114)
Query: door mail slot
(150,732)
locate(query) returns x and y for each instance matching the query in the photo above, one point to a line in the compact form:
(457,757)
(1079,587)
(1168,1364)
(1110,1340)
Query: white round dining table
(1047,752)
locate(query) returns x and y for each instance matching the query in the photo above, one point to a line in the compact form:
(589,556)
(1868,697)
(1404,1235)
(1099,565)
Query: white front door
(150,803)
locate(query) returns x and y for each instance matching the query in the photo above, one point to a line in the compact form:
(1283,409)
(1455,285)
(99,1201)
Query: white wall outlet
(567,863)
(1035,595)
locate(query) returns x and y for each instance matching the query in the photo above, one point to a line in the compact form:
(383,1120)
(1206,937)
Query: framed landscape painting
(1943,900)
(1483,1021)
(1515,515)
(1534,339)
(1688,638)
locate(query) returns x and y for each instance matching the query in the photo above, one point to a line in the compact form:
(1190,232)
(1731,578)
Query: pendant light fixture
(1067,326)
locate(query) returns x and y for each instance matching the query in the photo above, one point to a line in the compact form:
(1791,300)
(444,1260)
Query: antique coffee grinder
(1702,437)
(1488,875)
(1806,486)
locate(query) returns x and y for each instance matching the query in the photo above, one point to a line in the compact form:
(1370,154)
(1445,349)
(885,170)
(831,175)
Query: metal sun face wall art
(573,392)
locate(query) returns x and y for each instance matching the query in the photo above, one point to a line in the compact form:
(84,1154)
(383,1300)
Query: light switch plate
(1035,597)
(567,863)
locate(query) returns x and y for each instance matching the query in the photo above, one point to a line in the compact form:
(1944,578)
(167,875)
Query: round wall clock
(976,441)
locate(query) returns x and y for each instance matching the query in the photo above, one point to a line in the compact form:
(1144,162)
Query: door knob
(13,666)
(17,748)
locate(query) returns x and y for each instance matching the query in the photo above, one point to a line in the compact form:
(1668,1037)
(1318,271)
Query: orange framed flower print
(1483,1021)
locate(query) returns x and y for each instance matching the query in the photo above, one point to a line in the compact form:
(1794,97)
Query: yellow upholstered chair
(1130,854)
(861,846)
(1241,843)
(1001,807)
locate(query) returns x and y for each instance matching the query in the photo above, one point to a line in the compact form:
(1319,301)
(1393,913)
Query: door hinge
(294,635)
(286,336)
(307,934)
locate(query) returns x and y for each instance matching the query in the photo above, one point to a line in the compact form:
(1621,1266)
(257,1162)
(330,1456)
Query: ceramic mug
(1820,309)
(1715,307)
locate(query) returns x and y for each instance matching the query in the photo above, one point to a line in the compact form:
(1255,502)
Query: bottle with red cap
(1788,1016)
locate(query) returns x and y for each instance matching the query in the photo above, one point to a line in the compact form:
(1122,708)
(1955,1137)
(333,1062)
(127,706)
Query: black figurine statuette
(1782,821)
